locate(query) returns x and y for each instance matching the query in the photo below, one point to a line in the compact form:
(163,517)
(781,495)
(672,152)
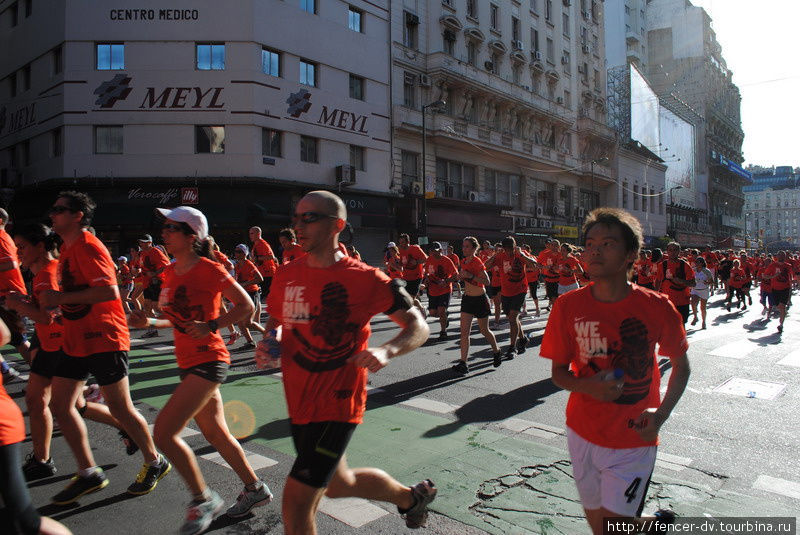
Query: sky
(760,46)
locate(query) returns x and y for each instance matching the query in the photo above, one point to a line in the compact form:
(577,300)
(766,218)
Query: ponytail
(205,248)
(37,233)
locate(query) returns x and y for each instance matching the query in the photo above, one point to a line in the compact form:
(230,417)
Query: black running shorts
(215,371)
(513,303)
(412,287)
(108,367)
(551,290)
(477,305)
(320,446)
(781,297)
(438,301)
(533,287)
(492,291)
(46,362)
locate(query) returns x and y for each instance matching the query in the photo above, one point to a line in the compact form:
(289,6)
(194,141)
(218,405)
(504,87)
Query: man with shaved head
(265,261)
(319,313)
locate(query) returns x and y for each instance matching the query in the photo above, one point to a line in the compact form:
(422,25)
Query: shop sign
(566,232)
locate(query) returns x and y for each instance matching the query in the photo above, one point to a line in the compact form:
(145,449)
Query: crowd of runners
(610,305)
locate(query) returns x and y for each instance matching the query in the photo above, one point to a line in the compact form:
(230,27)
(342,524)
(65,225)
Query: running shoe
(149,476)
(694,321)
(80,486)
(417,516)
(522,343)
(247,346)
(150,333)
(780,328)
(498,359)
(663,517)
(232,338)
(200,515)
(10,375)
(248,499)
(443,335)
(130,446)
(510,352)
(462,367)
(93,394)
(34,469)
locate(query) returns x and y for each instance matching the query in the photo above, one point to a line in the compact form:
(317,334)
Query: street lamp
(423,223)
(746,233)
(599,160)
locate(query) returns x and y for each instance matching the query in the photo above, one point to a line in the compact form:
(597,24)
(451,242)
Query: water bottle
(271,345)
(615,374)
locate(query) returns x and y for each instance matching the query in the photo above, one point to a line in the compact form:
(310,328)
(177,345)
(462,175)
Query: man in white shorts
(601,340)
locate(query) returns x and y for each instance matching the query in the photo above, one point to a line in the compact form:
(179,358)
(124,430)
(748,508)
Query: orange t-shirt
(475,267)
(12,425)
(224,261)
(485,254)
(97,328)
(645,271)
(246,271)
(325,314)
(677,293)
(532,274)
(153,259)
(783,270)
(592,336)
(292,252)
(50,336)
(512,274)
(136,267)
(567,268)
(411,254)
(711,259)
(455,259)
(549,259)
(195,296)
(11,280)
(438,270)
(124,275)
(261,248)
(737,278)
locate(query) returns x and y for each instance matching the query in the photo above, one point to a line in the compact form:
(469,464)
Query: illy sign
(190,196)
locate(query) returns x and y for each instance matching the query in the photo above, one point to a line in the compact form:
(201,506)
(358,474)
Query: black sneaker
(149,476)
(80,486)
(417,516)
(462,367)
(130,445)
(522,343)
(780,328)
(498,359)
(10,375)
(510,352)
(35,469)
(442,335)
(150,333)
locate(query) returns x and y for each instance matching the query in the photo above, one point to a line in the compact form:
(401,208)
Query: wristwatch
(213,326)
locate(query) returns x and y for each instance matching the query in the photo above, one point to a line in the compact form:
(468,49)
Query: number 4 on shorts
(630,492)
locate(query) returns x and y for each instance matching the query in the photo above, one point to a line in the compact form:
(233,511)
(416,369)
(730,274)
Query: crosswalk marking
(163,348)
(256,461)
(430,405)
(735,350)
(355,512)
(676,463)
(792,359)
(535,429)
(138,340)
(778,486)
(186,432)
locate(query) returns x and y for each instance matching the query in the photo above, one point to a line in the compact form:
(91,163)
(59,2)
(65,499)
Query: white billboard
(644,112)
(677,151)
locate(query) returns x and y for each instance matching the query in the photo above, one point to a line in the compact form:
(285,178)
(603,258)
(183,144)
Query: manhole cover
(750,389)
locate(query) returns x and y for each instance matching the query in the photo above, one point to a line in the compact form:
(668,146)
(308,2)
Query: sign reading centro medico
(153,14)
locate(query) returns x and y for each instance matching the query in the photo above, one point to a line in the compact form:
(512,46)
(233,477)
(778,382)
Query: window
(410,30)
(534,40)
(409,100)
(357,159)
(644,199)
(535,6)
(209,139)
(271,62)
(308,73)
(271,143)
(515,28)
(409,168)
(58,60)
(635,197)
(596,80)
(472,8)
(565,24)
(567,99)
(308,149)
(493,16)
(625,195)
(356,87)
(210,57)
(108,139)
(472,53)
(354,19)
(548,10)
(551,53)
(449,42)
(566,59)
(28,8)
(453,179)
(495,66)
(56,143)
(110,56)
(309,5)
(516,74)
(26,77)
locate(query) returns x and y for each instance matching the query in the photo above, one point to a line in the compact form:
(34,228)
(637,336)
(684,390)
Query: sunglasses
(310,217)
(58,209)
(171,227)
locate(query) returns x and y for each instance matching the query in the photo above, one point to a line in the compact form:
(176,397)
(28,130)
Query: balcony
(633,38)
(592,127)
(729,190)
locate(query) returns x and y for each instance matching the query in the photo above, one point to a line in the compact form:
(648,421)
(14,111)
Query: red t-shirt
(549,259)
(737,278)
(567,268)
(485,254)
(783,270)
(438,270)
(292,252)
(475,267)
(711,259)
(195,296)
(246,271)
(268,266)
(97,328)
(12,425)
(455,259)
(50,336)
(677,293)
(153,259)
(592,337)
(325,314)
(224,261)
(532,274)
(512,274)
(411,254)
(124,275)
(394,268)
(11,280)
(136,267)
(766,285)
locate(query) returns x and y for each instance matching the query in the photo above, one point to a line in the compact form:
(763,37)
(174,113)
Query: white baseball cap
(191,216)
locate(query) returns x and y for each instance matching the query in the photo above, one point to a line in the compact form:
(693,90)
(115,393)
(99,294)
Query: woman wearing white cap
(190,300)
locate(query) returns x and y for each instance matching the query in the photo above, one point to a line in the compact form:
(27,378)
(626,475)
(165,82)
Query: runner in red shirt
(712,261)
(675,278)
(291,249)
(323,303)
(153,261)
(646,271)
(449,253)
(474,304)
(223,260)
(393,266)
(749,267)
(11,281)
(736,282)
(602,342)
(265,260)
(766,298)
(779,275)
(124,282)
(439,276)
(95,341)
(136,300)
(568,269)
(513,289)
(532,276)
(190,302)
(247,275)
(548,259)
(412,258)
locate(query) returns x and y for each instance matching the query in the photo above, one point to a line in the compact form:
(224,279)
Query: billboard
(677,150)
(644,112)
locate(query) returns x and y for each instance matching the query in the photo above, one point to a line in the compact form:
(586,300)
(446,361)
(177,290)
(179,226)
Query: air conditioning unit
(581,212)
(409,78)
(424,80)
(345,174)
(416,188)
(585,49)
(516,44)
(564,60)
(585,15)
(412,19)
(489,66)
(567,3)
(560,100)
(522,221)
(539,211)
(556,210)
(472,196)
(537,56)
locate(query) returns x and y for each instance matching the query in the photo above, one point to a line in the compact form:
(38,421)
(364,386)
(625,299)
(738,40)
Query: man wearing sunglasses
(323,303)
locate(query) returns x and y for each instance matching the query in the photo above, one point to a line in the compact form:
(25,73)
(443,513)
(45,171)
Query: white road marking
(163,348)
(735,350)
(792,359)
(750,389)
(138,340)
(778,486)
(186,432)
(256,461)
(430,405)
(374,390)
(675,463)
(355,512)
(535,429)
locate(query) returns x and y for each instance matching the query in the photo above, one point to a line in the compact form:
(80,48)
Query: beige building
(230,106)
(525,92)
